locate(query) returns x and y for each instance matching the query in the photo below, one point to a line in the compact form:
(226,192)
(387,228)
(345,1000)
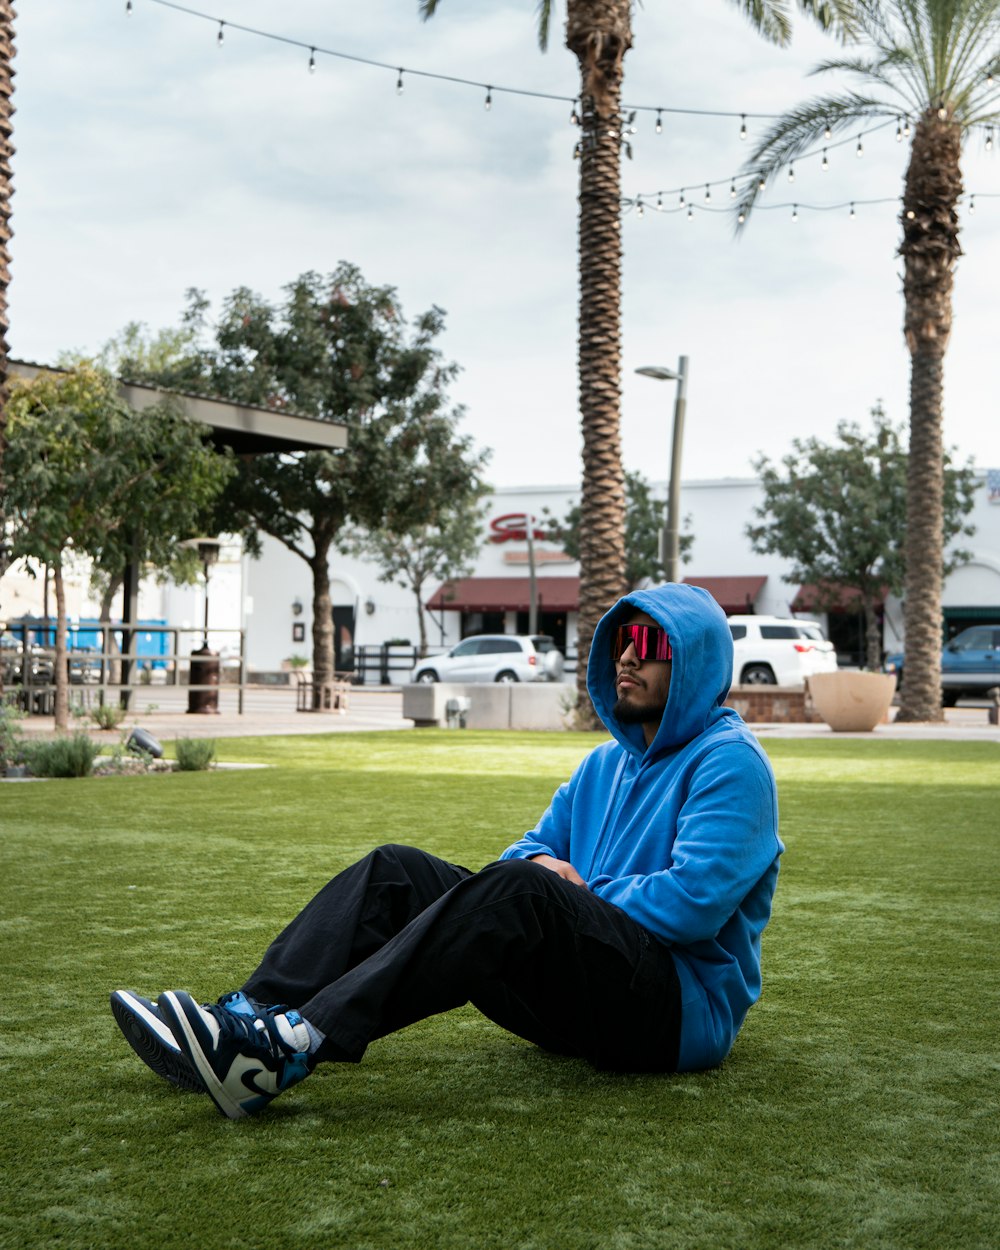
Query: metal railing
(116,667)
(389,664)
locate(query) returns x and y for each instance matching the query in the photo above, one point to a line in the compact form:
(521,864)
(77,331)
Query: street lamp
(671,536)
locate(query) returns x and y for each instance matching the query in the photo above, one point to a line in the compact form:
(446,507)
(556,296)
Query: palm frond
(837,16)
(769,17)
(544,17)
(797,131)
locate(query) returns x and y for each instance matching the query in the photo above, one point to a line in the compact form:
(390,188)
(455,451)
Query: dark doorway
(343,640)
(551,623)
(482,623)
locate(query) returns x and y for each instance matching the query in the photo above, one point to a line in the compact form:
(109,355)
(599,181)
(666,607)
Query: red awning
(506,594)
(813,597)
(732,594)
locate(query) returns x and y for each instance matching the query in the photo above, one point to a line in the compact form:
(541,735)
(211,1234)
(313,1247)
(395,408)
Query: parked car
(495,657)
(772,651)
(970,663)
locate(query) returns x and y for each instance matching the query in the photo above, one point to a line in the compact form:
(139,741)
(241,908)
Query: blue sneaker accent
(145,1030)
(245,1054)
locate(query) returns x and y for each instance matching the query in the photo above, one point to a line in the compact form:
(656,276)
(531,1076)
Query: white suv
(495,657)
(772,651)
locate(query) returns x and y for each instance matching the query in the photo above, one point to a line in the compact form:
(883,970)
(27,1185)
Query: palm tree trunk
(930,251)
(599,34)
(6,152)
(322,628)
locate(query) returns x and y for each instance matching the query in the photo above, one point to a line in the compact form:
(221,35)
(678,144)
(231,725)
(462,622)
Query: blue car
(970,663)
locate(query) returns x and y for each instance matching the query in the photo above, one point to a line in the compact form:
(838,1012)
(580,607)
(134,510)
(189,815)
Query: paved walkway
(163,712)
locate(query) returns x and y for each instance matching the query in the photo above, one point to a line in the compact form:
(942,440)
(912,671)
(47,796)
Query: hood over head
(701,672)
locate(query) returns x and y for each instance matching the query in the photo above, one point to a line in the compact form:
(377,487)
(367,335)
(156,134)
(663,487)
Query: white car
(495,657)
(774,651)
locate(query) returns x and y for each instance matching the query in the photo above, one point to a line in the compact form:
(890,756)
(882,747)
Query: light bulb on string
(680,199)
(852,215)
(399,82)
(791,173)
(690,213)
(574,117)
(989,138)
(741,218)
(708,193)
(128,8)
(488,103)
(795,212)
(659,201)
(639,208)
(659,121)
(906,128)
(743,126)
(312,60)
(972,204)
(761,183)
(220,38)
(859,151)
(827,132)
(577,151)
(899,130)
(732,190)
(826,164)
(942,114)
(989,77)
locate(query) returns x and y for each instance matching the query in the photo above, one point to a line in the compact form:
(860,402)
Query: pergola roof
(247,430)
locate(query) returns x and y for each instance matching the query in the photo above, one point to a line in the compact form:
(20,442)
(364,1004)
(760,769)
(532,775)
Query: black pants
(402,935)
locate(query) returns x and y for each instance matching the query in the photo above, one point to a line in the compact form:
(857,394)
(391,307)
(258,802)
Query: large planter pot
(852,701)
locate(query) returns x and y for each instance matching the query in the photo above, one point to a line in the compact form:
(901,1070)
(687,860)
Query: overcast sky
(150,160)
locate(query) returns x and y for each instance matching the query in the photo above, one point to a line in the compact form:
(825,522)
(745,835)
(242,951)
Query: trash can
(205,670)
(456,713)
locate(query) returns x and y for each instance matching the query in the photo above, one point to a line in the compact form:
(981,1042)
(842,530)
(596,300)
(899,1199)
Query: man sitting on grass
(624,929)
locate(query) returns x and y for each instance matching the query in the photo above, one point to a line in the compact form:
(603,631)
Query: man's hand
(562,867)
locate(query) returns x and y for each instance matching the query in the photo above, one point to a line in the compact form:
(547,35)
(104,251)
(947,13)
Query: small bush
(107,715)
(12,744)
(71,756)
(194,755)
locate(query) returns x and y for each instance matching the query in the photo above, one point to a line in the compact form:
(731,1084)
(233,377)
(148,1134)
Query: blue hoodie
(683,834)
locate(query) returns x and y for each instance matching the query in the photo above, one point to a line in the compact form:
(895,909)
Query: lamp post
(205,665)
(671,536)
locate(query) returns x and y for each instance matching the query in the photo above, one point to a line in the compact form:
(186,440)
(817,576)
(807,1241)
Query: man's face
(642,686)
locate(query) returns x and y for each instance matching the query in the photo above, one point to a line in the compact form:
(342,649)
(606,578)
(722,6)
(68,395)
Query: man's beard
(629,712)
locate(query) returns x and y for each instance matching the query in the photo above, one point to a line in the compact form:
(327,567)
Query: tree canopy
(838,512)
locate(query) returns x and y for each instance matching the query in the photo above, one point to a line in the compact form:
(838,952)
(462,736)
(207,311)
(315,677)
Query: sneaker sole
(144,1032)
(172,1007)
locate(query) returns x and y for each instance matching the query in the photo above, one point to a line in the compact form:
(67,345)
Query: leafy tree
(643,527)
(442,551)
(86,473)
(930,63)
(336,349)
(839,513)
(599,33)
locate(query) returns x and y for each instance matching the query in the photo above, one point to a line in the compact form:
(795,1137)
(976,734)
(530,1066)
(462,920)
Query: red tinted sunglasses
(650,642)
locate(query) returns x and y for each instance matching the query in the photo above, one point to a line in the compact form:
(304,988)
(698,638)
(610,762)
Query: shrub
(12,745)
(194,755)
(70,756)
(107,715)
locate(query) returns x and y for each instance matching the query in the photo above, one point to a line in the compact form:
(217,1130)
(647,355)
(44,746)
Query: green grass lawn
(858,1109)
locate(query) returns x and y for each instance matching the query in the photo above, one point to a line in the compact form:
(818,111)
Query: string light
(795,212)
(659,122)
(791,173)
(690,213)
(826,164)
(899,130)
(743,125)
(639,207)
(906,128)
(128,8)
(852,212)
(859,151)
(827,132)
(732,190)
(741,218)
(761,183)
(312,60)
(681,199)
(574,117)
(972,204)
(659,201)
(399,82)
(989,138)
(708,193)
(910,215)
(989,77)
(488,103)
(220,37)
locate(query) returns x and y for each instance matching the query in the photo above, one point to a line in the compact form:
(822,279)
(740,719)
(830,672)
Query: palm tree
(599,33)
(6,152)
(928,64)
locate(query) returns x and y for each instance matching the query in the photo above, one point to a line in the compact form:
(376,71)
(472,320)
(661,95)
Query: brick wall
(781,705)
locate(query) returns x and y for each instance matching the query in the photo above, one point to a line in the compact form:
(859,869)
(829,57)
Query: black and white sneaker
(149,1036)
(244,1053)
